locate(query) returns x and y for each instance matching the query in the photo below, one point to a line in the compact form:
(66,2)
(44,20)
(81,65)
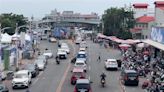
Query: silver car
(41,64)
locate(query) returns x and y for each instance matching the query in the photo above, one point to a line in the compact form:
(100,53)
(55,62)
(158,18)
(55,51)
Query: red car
(77,73)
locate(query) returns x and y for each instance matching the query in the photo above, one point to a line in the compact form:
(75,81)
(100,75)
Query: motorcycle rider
(103,75)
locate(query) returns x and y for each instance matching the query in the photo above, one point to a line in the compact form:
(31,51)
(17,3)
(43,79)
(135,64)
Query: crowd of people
(147,67)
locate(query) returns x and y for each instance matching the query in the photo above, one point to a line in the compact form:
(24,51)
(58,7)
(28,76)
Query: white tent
(6,38)
(15,37)
(27,37)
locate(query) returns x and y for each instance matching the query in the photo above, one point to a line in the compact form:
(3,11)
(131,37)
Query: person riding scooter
(103,76)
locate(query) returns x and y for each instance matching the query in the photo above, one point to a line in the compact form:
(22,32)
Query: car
(81,56)
(77,73)
(3,88)
(83,85)
(62,54)
(40,63)
(52,39)
(33,68)
(130,77)
(43,58)
(66,48)
(81,64)
(82,49)
(3,75)
(111,64)
(44,37)
(78,40)
(83,44)
(48,53)
(21,78)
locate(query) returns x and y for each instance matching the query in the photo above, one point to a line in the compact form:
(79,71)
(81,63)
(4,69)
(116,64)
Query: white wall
(147,32)
(159,16)
(138,12)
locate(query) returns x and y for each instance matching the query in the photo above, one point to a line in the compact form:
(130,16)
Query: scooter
(103,82)
(57,62)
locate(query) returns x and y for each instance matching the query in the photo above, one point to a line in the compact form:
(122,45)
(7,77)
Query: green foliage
(10,20)
(117,22)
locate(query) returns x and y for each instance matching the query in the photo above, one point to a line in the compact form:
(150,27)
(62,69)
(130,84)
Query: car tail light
(75,90)
(126,77)
(137,77)
(73,78)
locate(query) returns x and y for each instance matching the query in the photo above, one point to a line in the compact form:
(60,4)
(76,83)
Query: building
(140,9)
(159,13)
(69,18)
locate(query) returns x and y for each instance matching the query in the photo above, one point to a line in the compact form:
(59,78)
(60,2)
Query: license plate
(131,78)
(82,90)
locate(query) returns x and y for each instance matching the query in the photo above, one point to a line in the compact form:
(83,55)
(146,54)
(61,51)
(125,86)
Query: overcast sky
(38,8)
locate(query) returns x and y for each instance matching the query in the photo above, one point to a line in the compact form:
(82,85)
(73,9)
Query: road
(56,78)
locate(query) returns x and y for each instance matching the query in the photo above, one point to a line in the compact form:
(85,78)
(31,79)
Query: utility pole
(17,63)
(0,49)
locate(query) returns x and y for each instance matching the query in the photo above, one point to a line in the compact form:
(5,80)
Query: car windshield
(77,74)
(132,75)
(81,56)
(1,87)
(82,86)
(79,64)
(21,76)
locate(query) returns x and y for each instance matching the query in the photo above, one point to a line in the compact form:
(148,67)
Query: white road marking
(37,78)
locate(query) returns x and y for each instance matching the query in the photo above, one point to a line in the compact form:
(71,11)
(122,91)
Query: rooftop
(145,19)
(140,5)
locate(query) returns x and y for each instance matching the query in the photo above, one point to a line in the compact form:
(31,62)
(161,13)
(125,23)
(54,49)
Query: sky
(38,8)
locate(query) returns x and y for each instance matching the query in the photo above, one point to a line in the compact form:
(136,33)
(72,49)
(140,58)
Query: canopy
(15,37)
(141,45)
(154,44)
(6,38)
(124,46)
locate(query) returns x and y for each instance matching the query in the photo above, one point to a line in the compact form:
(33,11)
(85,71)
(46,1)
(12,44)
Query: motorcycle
(57,62)
(103,82)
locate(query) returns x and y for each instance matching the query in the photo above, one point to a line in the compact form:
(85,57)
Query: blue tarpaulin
(59,32)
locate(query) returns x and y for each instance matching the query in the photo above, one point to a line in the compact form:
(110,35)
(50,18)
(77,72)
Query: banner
(157,34)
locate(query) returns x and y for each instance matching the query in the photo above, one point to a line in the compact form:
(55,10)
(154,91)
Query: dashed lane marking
(59,88)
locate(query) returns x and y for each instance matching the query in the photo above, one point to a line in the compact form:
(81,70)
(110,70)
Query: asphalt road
(56,78)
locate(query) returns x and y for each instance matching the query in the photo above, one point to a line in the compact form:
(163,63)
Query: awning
(154,44)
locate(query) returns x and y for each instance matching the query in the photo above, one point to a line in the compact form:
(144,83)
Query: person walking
(99,59)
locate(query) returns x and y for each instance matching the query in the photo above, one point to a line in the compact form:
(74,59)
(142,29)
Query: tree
(10,20)
(117,22)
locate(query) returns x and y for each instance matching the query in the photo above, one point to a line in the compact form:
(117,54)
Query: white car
(82,49)
(21,78)
(83,44)
(44,37)
(41,64)
(78,40)
(66,48)
(80,64)
(52,39)
(48,53)
(111,64)
(62,54)
(81,56)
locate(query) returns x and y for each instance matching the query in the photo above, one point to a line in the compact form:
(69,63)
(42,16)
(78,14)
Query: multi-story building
(159,13)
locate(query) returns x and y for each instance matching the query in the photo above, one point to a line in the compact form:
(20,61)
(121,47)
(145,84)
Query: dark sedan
(33,69)
(3,88)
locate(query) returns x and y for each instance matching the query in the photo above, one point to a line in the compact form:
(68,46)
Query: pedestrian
(99,58)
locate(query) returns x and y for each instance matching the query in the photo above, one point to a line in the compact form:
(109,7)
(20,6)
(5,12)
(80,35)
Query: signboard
(157,34)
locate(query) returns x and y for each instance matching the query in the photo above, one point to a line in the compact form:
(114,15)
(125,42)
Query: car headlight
(25,81)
